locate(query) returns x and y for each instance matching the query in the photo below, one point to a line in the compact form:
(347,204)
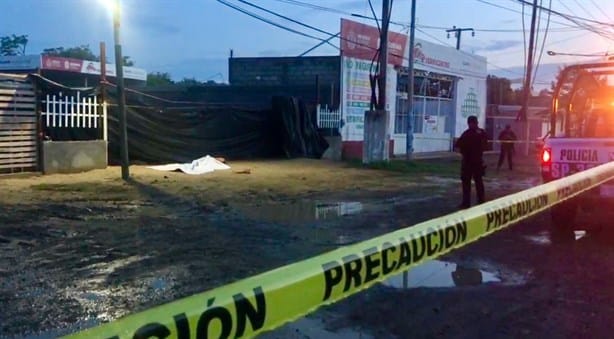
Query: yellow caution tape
(267,301)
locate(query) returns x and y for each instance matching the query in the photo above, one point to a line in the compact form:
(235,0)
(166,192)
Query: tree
(499,91)
(13,45)
(189,82)
(82,52)
(159,79)
(127,61)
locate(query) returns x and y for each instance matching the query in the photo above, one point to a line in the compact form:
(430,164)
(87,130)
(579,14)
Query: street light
(553,53)
(115,7)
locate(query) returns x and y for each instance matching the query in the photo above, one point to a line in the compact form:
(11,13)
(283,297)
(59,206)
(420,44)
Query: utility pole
(457,34)
(376,122)
(410,91)
(103,83)
(383,55)
(527,79)
(121,96)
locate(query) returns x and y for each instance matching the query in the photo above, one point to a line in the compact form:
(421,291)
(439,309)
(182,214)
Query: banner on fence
(267,301)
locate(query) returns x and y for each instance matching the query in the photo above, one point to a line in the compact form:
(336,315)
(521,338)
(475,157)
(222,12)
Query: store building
(449,85)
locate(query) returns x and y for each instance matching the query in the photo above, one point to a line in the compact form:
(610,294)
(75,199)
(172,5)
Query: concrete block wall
(284,71)
(74,156)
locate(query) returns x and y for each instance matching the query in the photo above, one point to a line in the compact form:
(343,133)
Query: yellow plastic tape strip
(267,301)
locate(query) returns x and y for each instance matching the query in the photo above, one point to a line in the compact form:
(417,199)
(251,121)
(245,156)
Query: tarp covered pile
(161,132)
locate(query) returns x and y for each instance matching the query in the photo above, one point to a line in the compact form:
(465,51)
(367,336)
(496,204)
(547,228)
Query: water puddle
(543,238)
(547,238)
(302,211)
(441,274)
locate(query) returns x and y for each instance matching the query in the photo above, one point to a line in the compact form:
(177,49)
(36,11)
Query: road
(74,255)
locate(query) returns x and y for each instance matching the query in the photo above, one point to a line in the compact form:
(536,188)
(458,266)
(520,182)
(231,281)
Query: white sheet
(203,165)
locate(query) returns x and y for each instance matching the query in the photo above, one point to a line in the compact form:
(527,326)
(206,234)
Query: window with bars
(433,95)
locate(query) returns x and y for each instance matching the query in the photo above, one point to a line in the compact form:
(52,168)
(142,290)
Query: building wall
(289,72)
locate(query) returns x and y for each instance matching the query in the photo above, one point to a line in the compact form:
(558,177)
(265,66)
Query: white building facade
(449,85)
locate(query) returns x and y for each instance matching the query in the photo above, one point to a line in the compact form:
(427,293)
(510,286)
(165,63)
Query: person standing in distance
(507,138)
(471,145)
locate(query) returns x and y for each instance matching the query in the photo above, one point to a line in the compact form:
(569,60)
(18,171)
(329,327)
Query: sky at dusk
(192,38)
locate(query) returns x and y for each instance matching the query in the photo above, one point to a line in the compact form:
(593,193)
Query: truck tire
(564,214)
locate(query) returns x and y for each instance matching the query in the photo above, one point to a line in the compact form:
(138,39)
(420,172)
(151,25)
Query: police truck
(581,134)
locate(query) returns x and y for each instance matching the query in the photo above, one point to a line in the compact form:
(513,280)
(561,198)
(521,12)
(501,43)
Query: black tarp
(162,131)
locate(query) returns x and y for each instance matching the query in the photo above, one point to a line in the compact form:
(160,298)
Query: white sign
(93,67)
(447,60)
(20,62)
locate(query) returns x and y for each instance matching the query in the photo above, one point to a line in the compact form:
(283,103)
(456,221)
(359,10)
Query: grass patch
(59,187)
(80,187)
(447,167)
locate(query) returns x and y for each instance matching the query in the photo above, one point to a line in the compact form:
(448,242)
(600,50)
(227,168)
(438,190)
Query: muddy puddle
(443,274)
(299,211)
(304,211)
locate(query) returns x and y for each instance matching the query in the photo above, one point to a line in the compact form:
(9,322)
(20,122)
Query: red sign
(62,64)
(362,41)
(427,60)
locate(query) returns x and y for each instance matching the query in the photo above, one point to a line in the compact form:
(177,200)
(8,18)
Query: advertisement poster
(358,47)
(89,67)
(356,91)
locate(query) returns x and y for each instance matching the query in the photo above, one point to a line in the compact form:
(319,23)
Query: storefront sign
(61,64)
(89,67)
(362,41)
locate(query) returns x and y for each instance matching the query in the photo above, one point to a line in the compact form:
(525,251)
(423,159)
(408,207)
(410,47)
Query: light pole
(121,96)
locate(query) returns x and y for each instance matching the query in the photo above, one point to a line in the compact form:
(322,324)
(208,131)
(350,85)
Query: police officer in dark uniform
(507,138)
(471,145)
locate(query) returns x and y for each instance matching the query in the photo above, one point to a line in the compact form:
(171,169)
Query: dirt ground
(77,250)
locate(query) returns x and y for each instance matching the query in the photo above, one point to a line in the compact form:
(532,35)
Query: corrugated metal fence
(18,124)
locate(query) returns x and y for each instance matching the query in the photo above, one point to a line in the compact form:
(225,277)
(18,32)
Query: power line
(286,18)
(314,7)
(333,35)
(549,44)
(541,52)
(585,9)
(433,37)
(561,29)
(519,12)
(601,10)
(570,17)
(580,21)
(255,16)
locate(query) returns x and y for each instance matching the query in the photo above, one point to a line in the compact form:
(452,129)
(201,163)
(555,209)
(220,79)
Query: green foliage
(13,45)
(499,91)
(446,167)
(127,61)
(159,79)
(82,52)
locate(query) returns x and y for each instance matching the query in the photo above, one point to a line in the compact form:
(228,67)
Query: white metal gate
(60,111)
